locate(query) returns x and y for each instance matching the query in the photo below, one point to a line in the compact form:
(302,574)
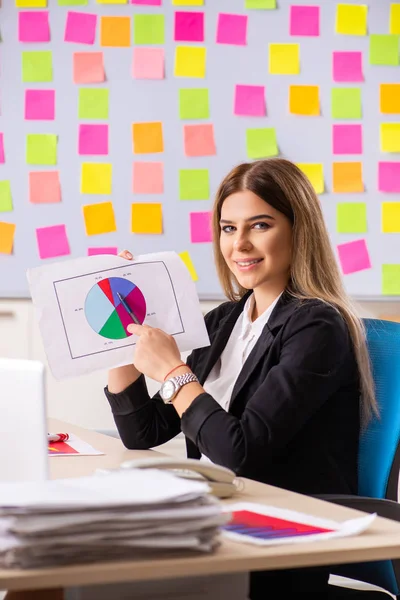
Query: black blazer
(294,417)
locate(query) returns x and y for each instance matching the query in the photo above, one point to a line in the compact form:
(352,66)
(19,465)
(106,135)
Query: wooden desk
(380,542)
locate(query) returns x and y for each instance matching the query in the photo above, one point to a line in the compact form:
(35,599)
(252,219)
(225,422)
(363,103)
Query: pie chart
(104,311)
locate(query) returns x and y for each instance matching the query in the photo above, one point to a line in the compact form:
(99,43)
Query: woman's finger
(126,254)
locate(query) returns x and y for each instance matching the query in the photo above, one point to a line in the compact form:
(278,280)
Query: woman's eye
(261,225)
(228,228)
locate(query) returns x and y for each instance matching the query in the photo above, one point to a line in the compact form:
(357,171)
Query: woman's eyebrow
(255,218)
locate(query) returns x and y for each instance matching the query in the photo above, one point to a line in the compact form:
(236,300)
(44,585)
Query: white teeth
(247,263)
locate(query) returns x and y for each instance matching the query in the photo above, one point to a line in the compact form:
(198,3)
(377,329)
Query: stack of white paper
(120,515)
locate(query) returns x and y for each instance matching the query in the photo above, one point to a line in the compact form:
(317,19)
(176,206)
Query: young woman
(279,394)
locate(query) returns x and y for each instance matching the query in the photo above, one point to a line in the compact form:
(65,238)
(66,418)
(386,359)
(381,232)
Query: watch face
(168,390)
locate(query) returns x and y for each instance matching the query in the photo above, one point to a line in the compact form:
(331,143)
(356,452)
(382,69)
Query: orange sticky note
(115,31)
(147,218)
(88,67)
(390,98)
(99,218)
(304,100)
(347,177)
(44,187)
(148,178)
(7,231)
(199,140)
(147,138)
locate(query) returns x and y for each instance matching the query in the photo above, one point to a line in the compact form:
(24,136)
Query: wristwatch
(171,387)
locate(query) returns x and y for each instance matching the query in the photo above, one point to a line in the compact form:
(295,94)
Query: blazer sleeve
(315,357)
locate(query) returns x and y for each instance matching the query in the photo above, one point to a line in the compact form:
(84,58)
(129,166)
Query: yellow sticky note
(391,217)
(188,2)
(347,177)
(390,137)
(284,59)
(190,61)
(394,26)
(390,98)
(304,100)
(99,218)
(112,1)
(351,19)
(147,218)
(31,3)
(96,178)
(185,256)
(7,231)
(315,173)
(147,138)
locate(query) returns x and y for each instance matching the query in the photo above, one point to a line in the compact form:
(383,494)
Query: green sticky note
(261,143)
(72,2)
(384,49)
(6,204)
(148,29)
(194,103)
(260,4)
(391,280)
(346,103)
(93,103)
(37,66)
(41,149)
(194,184)
(351,217)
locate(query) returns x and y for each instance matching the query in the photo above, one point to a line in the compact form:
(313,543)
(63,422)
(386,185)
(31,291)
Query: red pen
(57,437)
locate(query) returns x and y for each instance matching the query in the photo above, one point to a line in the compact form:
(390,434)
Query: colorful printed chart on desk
(73,447)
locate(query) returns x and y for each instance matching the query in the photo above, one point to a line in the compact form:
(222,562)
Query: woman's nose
(242,243)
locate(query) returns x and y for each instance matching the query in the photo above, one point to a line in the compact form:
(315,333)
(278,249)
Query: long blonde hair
(314,272)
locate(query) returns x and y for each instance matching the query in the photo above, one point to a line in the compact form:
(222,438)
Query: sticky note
(52,241)
(390,137)
(304,100)
(149,29)
(354,256)
(95,250)
(148,63)
(391,217)
(2,153)
(194,103)
(347,139)
(185,256)
(93,140)
(232,29)
(33,26)
(394,22)
(346,103)
(187,2)
(391,280)
(347,177)
(351,217)
(189,26)
(41,149)
(389,98)
(260,4)
(112,1)
(199,140)
(44,187)
(194,184)
(72,2)
(389,177)
(315,173)
(147,2)
(147,218)
(88,67)
(37,66)
(31,3)
(190,61)
(200,227)
(99,218)
(148,178)
(347,67)
(80,27)
(6,204)
(261,142)
(384,49)
(304,20)
(250,100)
(39,105)
(115,31)
(147,138)
(284,59)
(96,178)
(7,232)
(351,19)
(93,103)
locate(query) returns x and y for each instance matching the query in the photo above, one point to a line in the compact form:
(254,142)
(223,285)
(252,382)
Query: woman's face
(255,241)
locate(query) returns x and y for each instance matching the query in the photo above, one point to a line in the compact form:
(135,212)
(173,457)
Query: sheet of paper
(88,67)
(346,103)
(284,59)
(185,256)
(37,66)
(194,184)
(147,218)
(82,323)
(39,105)
(115,31)
(147,138)
(99,218)
(232,29)
(250,100)
(261,142)
(347,139)
(394,23)
(384,49)
(148,29)
(260,4)
(304,21)
(80,28)
(41,149)
(389,176)
(304,100)
(96,178)
(351,19)
(52,241)
(194,103)
(7,232)
(389,98)
(391,280)
(347,177)
(390,137)
(199,140)
(347,67)
(2,153)
(354,256)
(189,26)
(148,63)
(73,447)
(351,217)
(200,227)
(44,187)
(190,61)
(93,140)
(33,26)
(93,103)
(148,177)
(95,250)
(390,217)
(315,173)
(6,204)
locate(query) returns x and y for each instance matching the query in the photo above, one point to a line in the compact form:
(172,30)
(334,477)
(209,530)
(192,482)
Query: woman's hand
(126,254)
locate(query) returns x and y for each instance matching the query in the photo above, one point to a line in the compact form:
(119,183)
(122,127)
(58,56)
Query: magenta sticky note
(104,250)
(39,105)
(33,26)
(200,227)
(250,100)
(148,63)
(354,256)
(347,66)
(147,2)
(52,241)
(389,176)
(232,29)
(80,27)
(304,20)
(189,26)
(2,155)
(347,139)
(93,139)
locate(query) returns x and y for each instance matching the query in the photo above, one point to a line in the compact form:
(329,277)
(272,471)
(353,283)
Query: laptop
(23,424)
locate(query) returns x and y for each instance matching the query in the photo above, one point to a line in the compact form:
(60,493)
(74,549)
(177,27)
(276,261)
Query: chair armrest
(382,507)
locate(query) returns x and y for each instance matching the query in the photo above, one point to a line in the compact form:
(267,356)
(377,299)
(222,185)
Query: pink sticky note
(304,20)
(200,227)
(199,140)
(88,67)
(354,256)
(347,139)
(232,29)
(39,105)
(389,176)
(44,187)
(93,139)
(52,241)
(2,155)
(347,66)
(104,250)
(250,100)
(80,27)
(147,2)
(148,63)
(33,26)
(189,26)
(148,178)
